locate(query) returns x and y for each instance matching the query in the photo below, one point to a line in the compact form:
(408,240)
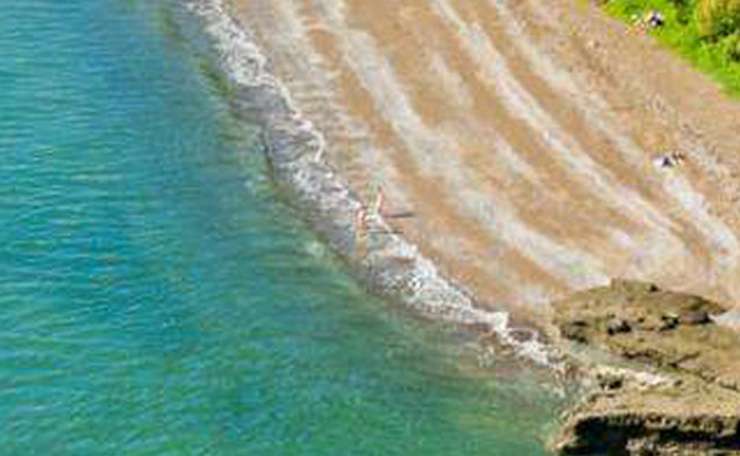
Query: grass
(682,32)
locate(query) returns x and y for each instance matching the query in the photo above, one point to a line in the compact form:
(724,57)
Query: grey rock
(697,317)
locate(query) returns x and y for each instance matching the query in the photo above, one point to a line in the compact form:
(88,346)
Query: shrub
(718,18)
(731,46)
(707,32)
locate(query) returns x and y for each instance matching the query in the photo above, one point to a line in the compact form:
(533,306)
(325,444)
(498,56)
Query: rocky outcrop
(664,378)
(667,419)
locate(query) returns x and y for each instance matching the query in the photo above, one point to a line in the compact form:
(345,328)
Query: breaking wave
(294,149)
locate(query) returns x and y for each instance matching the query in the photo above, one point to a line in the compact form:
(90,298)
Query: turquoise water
(159,297)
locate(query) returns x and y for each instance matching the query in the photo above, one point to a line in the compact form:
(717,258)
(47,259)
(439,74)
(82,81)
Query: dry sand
(522,136)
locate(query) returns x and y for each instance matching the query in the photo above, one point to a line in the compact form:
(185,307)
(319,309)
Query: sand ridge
(522,138)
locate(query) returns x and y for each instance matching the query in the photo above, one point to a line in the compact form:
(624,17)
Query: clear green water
(156,295)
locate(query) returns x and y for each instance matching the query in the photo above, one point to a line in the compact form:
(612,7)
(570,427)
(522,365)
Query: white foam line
(314,181)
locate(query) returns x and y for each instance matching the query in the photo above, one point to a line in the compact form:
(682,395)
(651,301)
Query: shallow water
(159,297)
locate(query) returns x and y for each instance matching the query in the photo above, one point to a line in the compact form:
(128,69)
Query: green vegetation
(706,32)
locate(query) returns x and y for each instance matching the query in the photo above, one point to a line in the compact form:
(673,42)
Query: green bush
(706,32)
(731,46)
(718,18)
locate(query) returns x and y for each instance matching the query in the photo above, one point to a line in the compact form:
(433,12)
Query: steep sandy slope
(522,135)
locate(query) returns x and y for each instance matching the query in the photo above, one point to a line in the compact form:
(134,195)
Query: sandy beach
(533,150)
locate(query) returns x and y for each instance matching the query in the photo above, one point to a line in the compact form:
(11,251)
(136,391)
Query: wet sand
(521,139)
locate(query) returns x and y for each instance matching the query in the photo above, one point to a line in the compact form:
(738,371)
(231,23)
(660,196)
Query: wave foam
(294,148)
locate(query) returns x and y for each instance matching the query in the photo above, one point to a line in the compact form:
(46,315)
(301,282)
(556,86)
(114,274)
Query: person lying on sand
(654,19)
(669,160)
(651,20)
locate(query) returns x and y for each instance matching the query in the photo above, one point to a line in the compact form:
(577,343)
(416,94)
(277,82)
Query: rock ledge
(662,377)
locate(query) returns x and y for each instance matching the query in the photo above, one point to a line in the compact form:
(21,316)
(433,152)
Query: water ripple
(159,298)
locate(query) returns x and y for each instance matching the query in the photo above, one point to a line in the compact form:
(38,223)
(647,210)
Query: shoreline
(492,266)
(295,150)
(403,264)
(523,143)
(663,372)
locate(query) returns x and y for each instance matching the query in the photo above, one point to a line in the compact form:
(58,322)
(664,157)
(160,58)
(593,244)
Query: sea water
(160,295)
